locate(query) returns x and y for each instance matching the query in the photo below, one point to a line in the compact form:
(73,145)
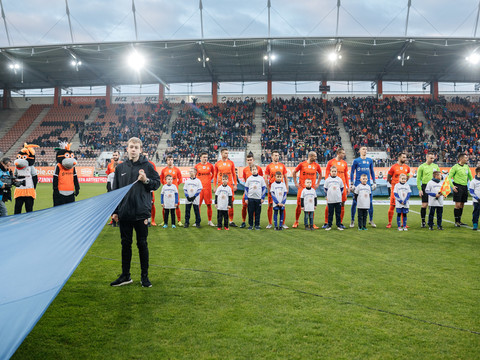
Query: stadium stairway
(76,138)
(162,145)
(255,145)
(346,144)
(428,129)
(8,118)
(19,144)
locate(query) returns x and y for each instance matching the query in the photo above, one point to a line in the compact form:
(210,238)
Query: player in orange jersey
(393,177)
(154,211)
(205,172)
(308,170)
(270,171)
(113,163)
(342,173)
(177,180)
(227,167)
(246,174)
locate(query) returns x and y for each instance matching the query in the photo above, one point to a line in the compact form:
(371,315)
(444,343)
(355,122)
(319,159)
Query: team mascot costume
(27,178)
(65,181)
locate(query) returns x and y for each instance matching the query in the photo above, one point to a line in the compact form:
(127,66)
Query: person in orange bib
(393,177)
(113,162)
(270,171)
(246,174)
(205,172)
(177,180)
(226,167)
(342,173)
(308,170)
(154,210)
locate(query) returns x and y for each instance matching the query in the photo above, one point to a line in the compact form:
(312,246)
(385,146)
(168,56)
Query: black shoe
(277,228)
(232,224)
(281,228)
(257,227)
(122,280)
(423,225)
(430,228)
(250,228)
(462,224)
(186,225)
(197,226)
(243,225)
(145,281)
(439,228)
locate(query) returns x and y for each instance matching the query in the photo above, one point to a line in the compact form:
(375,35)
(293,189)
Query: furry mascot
(27,178)
(65,181)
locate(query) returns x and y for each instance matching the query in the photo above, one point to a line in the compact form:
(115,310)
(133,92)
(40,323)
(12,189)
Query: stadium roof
(419,59)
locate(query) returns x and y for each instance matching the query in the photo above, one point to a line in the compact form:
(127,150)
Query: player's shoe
(284,226)
(219,228)
(352,224)
(146,282)
(462,224)
(250,228)
(475,227)
(179,223)
(328,228)
(122,280)
(364,228)
(165,226)
(232,224)
(227,229)
(423,225)
(210,223)
(307,227)
(405,228)
(277,228)
(400,228)
(372,224)
(457,224)
(340,228)
(439,228)
(186,225)
(315,227)
(281,228)
(269,226)
(430,228)
(324,226)
(389,226)
(174,227)
(162,223)
(257,227)
(295,225)
(154,223)
(243,225)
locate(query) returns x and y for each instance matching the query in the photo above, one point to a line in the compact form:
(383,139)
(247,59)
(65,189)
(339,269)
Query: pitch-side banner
(39,251)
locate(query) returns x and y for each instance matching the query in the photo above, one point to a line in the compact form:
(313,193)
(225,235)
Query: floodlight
(473,59)
(136,60)
(14,66)
(265,57)
(273,57)
(334,56)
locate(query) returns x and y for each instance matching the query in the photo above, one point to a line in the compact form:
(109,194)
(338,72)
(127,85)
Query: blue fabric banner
(39,251)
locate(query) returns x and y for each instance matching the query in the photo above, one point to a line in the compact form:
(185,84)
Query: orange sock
(179,213)
(230,214)
(270,214)
(244,212)
(326,214)
(284,214)
(209,212)
(391,210)
(298,211)
(153,213)
(342,212)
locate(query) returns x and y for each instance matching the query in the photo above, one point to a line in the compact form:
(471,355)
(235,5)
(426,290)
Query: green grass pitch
(376,294)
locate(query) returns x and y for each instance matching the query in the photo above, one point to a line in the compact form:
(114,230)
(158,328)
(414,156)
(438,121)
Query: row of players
(198,189)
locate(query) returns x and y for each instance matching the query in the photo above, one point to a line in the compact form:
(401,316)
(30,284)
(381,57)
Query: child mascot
(65,181)
(27,179)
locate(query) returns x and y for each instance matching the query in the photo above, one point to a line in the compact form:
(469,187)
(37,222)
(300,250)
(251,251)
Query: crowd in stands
(117,123)
(389,125)
(456,126)
(204,127)
(297,126)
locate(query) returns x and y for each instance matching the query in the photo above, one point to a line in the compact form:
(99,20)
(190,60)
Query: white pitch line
(443,220)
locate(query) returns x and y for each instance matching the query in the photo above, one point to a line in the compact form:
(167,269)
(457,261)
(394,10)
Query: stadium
(303,87)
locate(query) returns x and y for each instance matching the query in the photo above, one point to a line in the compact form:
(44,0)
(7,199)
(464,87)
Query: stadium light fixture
(136,60)
(473,59)
(14,66)
(334,56)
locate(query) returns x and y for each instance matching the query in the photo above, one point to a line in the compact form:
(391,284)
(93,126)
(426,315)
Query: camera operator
(5,185)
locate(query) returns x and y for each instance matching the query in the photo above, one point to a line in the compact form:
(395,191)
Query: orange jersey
(110,168)
(176,175)
(247,172)
(308,171)
(395,172)
(272,168)
(342,169)
(205,174)
(224,167)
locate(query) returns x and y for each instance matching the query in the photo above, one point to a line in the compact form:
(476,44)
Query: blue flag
(39,251)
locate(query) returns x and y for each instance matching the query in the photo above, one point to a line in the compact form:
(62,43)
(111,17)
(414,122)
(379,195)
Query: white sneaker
(269,226)
(352,224)
(285,226)
(372,224)
(400,228)
(211,224)
(405,229)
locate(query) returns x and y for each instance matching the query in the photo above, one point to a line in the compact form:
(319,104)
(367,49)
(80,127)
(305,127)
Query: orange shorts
(206,196)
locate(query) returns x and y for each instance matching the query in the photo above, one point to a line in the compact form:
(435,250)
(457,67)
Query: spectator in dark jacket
(135,208)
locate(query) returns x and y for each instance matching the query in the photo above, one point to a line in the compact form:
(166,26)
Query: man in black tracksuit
(135,209)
